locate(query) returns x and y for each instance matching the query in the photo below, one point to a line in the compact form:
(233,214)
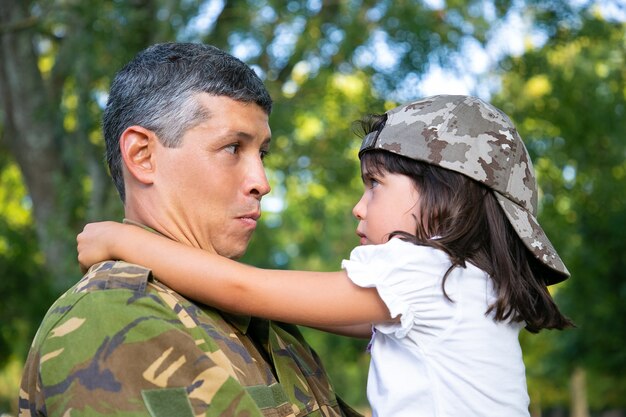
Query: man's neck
(241,322)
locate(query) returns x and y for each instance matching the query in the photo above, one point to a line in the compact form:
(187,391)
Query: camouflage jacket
(121,343)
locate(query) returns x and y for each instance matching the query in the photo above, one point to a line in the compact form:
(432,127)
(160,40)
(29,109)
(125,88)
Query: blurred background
(556,67)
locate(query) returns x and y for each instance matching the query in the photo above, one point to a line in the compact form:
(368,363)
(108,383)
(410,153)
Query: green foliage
(326,64)
(25,285)
(569,98)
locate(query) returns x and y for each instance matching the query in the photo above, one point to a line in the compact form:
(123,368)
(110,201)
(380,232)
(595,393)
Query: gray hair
(158,90)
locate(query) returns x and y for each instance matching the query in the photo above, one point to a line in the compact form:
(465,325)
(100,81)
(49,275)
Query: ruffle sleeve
(408,279)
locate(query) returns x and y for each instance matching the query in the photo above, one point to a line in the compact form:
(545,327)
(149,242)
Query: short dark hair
(157,90)
(470,226)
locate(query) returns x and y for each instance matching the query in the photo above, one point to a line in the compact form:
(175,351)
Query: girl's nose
(359,209)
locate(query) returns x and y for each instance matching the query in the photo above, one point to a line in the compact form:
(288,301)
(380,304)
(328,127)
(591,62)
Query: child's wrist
(117,236)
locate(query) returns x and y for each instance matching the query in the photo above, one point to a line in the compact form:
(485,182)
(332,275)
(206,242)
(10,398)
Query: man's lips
(253,215)
(250,218)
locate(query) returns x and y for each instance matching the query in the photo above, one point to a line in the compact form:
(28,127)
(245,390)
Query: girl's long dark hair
(470,226)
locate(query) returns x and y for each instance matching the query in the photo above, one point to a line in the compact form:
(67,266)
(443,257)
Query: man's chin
(237,256)
(235,253)
(235,247)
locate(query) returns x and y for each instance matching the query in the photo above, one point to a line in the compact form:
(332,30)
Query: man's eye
(232,148)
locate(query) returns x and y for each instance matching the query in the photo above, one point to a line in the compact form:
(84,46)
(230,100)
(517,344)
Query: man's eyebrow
(240,135)
(245,136)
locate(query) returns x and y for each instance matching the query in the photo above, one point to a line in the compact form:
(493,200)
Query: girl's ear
(137,146)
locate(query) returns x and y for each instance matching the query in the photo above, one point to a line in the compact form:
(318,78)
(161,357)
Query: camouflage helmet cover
(472,137)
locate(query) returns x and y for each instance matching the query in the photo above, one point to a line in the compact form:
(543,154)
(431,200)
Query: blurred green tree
(569,98)
(326,63)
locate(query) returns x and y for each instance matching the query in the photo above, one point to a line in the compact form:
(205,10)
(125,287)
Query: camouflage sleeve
(124,351)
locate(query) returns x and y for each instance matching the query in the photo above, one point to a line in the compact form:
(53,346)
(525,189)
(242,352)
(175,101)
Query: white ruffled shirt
(442,358)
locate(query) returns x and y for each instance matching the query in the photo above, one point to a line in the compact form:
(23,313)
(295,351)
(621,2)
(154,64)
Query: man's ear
(137,146)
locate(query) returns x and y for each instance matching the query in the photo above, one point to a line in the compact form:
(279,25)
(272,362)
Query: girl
(452,264)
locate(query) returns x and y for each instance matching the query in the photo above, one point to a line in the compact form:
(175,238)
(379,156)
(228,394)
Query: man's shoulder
(114,275)
(103,276)
(114,296)
(132,287)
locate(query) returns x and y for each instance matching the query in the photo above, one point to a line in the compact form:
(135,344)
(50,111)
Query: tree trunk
(578,390)
(28,133)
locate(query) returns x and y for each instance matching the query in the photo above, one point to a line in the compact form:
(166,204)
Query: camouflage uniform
(121,343)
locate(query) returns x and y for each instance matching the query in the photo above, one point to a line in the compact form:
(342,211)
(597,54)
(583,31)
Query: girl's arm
(327,300)
(363,331)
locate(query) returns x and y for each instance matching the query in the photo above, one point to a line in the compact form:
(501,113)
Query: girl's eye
(371,182)
(264,153)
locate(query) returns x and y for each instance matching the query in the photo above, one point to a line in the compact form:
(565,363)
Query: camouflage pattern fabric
(467,135)
(120,343)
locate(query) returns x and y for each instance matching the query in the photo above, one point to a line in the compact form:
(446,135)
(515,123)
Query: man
(186,130)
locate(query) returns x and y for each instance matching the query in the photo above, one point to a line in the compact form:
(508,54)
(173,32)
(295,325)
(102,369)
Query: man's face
(210,187)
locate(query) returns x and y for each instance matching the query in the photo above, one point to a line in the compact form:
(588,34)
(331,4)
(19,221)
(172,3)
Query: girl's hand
(95,242)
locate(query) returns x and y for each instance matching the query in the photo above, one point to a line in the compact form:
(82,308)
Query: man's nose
(258,185)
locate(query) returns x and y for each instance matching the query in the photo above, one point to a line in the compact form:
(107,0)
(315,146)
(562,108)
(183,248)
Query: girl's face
(388,204)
